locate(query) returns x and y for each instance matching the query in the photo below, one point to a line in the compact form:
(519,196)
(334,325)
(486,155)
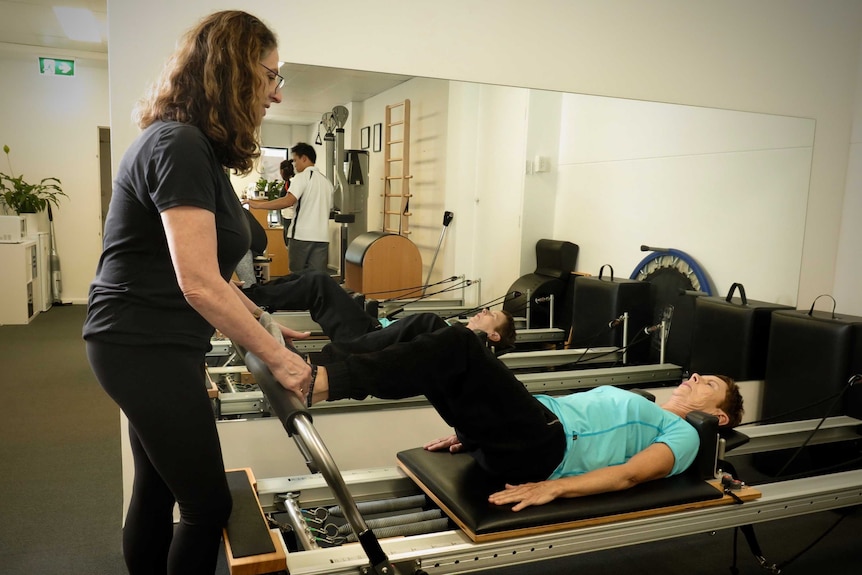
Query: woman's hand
(449,442)
(525,495)
(293,373)
(292,334)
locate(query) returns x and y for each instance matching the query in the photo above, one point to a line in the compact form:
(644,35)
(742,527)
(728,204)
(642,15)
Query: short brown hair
(212,81)
(506,331)
(732,404)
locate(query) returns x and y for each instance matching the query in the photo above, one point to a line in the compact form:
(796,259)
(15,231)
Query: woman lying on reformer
(605,439)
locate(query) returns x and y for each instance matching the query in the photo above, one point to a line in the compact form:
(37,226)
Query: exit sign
(56,67)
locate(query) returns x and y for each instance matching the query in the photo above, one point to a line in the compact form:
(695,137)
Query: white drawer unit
(18,269)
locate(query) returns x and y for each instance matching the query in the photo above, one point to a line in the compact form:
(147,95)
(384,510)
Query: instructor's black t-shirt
(135,298)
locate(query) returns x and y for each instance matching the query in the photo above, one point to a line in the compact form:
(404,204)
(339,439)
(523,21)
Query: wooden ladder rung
(393,106)
(397,177)
(398,123)
(395,160)
(390,142)
(397,213)
(396,195)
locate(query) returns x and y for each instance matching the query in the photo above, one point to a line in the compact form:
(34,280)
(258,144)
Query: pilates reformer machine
(314,515)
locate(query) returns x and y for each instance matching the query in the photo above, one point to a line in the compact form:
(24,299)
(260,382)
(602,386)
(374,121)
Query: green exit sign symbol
(56,67)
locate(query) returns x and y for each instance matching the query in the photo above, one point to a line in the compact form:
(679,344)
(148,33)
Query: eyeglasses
(278,77)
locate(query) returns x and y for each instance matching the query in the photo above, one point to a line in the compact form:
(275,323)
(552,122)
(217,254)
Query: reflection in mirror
(516,165)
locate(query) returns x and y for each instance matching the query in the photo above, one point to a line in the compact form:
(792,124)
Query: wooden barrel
(383,266)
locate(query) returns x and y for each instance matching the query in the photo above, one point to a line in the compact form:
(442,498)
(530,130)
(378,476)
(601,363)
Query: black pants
(340,317)
(510,433)
(177,457)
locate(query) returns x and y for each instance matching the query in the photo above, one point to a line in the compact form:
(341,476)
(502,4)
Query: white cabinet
(19,276)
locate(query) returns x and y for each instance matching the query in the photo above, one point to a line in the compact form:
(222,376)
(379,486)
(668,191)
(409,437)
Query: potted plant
(23,198)
(271,189)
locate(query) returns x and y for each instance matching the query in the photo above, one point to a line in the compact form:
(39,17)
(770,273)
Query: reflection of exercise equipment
(396,182)
(386,265)
(350,188)
(675,279)
(447,219)
(555,262)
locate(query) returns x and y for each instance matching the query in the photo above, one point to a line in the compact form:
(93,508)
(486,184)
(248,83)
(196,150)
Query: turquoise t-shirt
(607,426)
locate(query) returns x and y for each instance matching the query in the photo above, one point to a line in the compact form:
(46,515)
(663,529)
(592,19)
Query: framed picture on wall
(365,137)
(378,137)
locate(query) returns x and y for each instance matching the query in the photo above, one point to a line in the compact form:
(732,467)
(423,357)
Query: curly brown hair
(212,82)
(732,404)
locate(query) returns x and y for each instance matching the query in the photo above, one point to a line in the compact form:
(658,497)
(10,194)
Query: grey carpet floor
(61,487)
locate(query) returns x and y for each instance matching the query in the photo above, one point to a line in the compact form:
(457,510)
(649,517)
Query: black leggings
(177,456)
(339,316)
(508,431)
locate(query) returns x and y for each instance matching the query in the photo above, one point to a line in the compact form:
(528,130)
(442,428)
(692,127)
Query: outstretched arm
(654,462)
(285,201)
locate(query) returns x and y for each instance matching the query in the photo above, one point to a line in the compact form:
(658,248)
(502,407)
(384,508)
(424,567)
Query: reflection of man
(311,193)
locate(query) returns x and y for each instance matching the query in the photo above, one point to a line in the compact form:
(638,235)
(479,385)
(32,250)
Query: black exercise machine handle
(296,420)
(733,287)
(602,270)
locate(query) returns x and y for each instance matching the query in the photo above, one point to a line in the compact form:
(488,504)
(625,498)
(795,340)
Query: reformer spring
(396,520)
(419,528)
(383,506)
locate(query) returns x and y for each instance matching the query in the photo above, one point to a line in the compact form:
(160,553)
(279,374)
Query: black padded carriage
(461,488)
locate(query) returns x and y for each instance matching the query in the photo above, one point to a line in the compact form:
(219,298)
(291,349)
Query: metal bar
(553,381)
(453,552)
(791,434)
(548,358)
(300,528)
(625,338)
(539,334)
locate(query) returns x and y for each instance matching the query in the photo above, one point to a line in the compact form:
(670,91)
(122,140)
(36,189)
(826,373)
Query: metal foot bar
(298,423)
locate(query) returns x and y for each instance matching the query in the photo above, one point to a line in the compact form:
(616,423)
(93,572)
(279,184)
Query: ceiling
(309,91)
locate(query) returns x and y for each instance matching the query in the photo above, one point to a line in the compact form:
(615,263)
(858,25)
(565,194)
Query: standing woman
(283,202)
(173,235)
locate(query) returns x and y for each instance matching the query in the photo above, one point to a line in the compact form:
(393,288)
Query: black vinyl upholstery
(599,300)
(732,337)
(555,262)
(810,359)
(462,487)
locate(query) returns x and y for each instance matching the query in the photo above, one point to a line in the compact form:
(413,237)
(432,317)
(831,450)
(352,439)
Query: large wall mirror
(516,165)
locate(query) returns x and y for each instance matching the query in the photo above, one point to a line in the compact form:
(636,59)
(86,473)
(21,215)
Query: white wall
(541,188)
(794,58)
(729,188)
(52,126)
(848,272)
